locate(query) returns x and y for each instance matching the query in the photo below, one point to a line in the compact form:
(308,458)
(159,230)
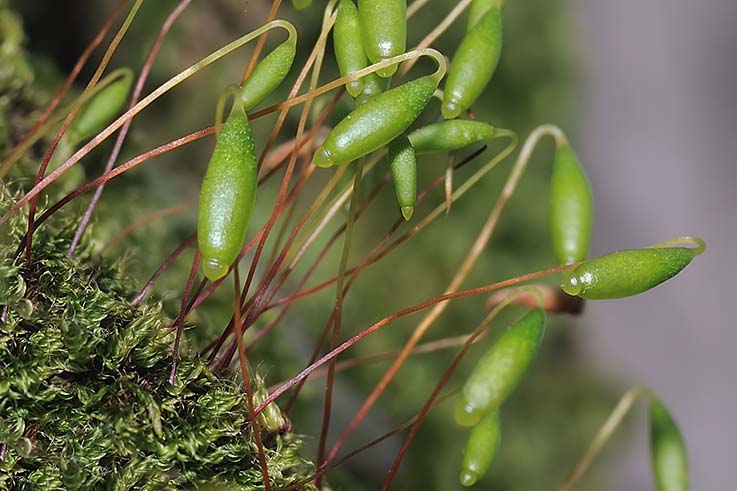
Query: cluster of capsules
(374,32)
(370,32)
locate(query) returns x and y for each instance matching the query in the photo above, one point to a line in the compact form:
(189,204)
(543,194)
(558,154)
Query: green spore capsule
(450,135)
(570,212)
(271,418)
(101,109)
(227,195)
(481,448)
(376,122)
(473,64)
(667,450)
(477,10)
(268,74)
(626,273)
(301,4)
(404,174)
(348,45)
(384,30)
(500,369)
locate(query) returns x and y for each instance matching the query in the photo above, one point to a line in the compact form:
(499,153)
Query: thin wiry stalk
(115,173)
(326,190)
(421,349)
(143,104)
(138,89)
(606,431)
(188,242)
(31,135)
(321,255)
(68,121)
(354,272)
(384,247)
(179,322)
(255,429)
(337,314)
(332,465)
(402,313)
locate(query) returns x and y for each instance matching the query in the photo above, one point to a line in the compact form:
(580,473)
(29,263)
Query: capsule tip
(571,284)
(323,158)
(301,4)
(407,212)
(387,72)
(354,87)
(466,414)
(468,478)
(214,269)
(450,110)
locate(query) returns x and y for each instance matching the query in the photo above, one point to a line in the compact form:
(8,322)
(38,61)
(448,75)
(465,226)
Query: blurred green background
(548,422)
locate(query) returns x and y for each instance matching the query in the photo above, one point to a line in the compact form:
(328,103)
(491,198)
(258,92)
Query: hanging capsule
(500,369)
(376,122)
(481,448)
(473,64)
(570,211)
(404,174)
(384,30)
(269,73)
(477,10)
(667,450)
(101,109)
(227,195)
(348,46)
(450,135)
(628,272)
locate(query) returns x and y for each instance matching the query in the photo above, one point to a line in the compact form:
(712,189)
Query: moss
(84,397)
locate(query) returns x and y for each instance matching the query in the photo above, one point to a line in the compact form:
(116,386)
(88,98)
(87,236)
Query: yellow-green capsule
(481,448)
(269,73)
(500,369)
(376,122)
(404,174)
(384,30)
(227,195)
(626,273)
(473,64)
(348,45)
(450,135)
(570,212)
(271,419)
(101,110)
(477,10)
(667,450)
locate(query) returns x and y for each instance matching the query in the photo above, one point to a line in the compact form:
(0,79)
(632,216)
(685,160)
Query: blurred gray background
(659,136)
